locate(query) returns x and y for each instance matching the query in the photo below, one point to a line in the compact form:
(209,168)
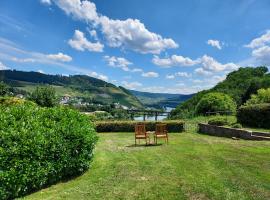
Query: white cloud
(262,55)
(93,33)
(23,60)
(99,76)
(174,60)
(210,64)
(170,76)
(47,2)
(260,41)
(215,43)
(150,74)
(60,57)
(118,62)
(3,67)
(128,34)
(201,71)
(183,74)
(136,70)
(41,71)
(80,43)
(131,85)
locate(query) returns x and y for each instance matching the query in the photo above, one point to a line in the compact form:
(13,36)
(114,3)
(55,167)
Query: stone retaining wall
(220,131)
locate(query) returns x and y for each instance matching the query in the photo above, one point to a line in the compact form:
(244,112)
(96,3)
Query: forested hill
(160,100)
(239,85)
(76,86)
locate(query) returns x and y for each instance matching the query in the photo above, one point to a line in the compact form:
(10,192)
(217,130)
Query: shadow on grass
(143,145)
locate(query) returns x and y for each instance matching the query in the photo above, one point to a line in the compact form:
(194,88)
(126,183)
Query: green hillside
(75,86)
(239,85)
(160,100)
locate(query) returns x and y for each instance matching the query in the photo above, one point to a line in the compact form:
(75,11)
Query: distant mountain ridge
(160,100)
(74,86)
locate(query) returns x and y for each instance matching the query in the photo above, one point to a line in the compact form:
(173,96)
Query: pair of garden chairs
(160,132)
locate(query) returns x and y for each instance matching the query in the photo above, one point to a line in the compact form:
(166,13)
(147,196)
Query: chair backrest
(140,129)
(161,129)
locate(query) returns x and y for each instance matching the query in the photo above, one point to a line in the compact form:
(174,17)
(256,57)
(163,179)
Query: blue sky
(156,46)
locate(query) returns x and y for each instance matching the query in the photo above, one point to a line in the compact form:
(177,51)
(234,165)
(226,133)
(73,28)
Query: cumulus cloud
(118,62)
(178,74)
(210,64)
(80,43)
(3,66)
(183,74)
(128,34)
(60,57)
(215,43)
(262,55)
(47,2)
(131,85)
(150,74)
(202,72)
(93,34)
(174,60)
(99,76)
(260,41)
(170,76)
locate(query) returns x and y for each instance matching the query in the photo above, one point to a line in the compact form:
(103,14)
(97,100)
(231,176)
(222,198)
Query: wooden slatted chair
(161,132)
(140,133)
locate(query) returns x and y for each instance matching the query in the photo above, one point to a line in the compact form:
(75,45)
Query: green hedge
(128,126)
(40,146)
(219,121)
(257,115)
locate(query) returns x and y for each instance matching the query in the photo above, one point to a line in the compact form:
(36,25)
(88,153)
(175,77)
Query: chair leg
(135,142)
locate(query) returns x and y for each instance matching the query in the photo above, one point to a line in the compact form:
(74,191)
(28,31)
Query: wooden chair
(161,132)
(140,133)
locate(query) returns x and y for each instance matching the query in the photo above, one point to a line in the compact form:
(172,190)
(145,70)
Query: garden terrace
(192,166)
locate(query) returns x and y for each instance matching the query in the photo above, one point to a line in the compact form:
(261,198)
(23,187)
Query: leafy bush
(219,121)
(257,115)
(4,89)
(262,96)
(215,102)
(237,125)
(40,146)
(44,96)
(9,101)
(128,126)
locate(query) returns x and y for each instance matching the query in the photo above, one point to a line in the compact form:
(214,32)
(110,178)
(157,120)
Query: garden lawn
(192,166)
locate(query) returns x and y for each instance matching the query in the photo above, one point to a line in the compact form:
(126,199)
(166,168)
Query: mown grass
(192,166)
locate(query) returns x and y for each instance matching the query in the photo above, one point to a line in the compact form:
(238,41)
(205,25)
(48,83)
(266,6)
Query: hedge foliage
(128,126)
(219,121)
(215,102)
(257,115)
(40,146)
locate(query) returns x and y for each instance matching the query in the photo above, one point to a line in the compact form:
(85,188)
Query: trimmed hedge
(219,121)
(128,126)
(257,115)
(40,146)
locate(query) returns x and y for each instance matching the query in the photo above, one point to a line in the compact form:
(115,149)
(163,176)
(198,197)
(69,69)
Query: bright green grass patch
(192,166)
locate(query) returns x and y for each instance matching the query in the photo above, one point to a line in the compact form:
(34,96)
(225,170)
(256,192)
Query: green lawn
(192,166)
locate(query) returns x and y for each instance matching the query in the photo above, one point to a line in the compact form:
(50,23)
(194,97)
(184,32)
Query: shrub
(44,96)
(262,96)
(215,102)
(40,146)
(128,126)
(10,101)
(257,115)
(219,121)
(237,125)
